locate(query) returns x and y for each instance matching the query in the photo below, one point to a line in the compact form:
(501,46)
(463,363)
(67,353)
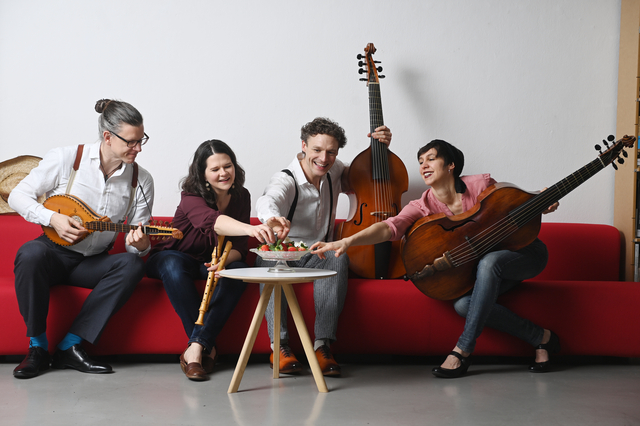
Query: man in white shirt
(314,179)
(104,176)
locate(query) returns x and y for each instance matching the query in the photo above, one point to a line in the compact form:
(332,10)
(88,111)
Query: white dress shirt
(312,218)
(110,198)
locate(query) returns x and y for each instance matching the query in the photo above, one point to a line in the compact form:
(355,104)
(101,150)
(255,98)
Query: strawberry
(264,247)
(292,248)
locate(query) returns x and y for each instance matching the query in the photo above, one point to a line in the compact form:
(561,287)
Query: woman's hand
(553,207)
(383,134)
(136,238)
(262,233)
(321,247)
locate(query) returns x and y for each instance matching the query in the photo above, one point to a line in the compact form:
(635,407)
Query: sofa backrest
(15,231)
(577,252)
(581,252)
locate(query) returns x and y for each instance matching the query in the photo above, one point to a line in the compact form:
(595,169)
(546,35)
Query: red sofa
(579,296)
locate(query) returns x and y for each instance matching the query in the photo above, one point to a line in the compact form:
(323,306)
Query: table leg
(277,303)
(251,338)
(296,313)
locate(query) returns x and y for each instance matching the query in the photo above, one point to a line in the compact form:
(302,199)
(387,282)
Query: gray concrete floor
(495,392)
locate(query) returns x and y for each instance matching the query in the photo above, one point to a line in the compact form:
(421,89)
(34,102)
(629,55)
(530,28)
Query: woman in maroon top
(213,202)
(499,271)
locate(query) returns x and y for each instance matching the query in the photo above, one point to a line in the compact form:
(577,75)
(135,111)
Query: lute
(74,207)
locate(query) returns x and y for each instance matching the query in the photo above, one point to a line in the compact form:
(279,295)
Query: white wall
(524,88)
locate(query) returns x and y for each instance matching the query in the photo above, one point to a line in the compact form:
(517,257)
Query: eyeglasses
(132,144)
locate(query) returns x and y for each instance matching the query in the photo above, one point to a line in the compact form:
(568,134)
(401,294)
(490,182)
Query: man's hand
(136,238)
(67,228)
(383,134)
(280,225)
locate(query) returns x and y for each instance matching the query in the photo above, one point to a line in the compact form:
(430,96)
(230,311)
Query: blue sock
(41,341)
(69,340)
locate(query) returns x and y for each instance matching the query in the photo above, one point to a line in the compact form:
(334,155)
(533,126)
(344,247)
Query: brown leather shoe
(193,370)
(289,364)
(328,365)
(209,363)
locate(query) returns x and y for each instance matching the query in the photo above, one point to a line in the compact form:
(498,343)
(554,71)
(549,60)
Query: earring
(233,186)
(208,186)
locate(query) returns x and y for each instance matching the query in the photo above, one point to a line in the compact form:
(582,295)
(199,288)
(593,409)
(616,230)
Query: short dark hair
(450,154)
(323,126)
(195,182)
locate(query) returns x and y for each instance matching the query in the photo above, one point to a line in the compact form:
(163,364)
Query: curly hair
(324,126)
(195,182)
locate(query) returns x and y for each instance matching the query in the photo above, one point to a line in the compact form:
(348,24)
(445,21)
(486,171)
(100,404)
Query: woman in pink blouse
(440,166)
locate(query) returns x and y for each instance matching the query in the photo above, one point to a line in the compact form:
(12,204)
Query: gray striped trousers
(328,295)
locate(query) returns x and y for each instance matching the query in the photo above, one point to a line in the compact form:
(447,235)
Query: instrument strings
(380,161)
(481,243)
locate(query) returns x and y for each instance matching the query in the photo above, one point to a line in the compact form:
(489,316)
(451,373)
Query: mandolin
(75,208)
(378,178)
(441,252)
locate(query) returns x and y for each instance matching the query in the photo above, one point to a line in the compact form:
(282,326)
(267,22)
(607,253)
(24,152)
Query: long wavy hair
(195,182)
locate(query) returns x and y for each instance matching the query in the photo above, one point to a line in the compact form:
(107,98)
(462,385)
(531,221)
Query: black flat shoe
(452,373)
(36,361)
(75,357)
(552,347)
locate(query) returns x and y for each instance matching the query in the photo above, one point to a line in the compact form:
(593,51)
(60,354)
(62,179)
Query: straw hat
(11,173)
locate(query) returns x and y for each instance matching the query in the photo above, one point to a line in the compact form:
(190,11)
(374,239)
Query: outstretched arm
(226,225)
(376,233)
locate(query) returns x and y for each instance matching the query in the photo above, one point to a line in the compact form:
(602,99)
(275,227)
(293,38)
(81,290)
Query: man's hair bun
(101,105)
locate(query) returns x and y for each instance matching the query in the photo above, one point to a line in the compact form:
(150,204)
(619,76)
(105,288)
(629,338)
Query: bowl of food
(281,252)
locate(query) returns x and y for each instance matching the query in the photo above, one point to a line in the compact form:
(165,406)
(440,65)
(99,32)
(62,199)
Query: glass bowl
(281,258)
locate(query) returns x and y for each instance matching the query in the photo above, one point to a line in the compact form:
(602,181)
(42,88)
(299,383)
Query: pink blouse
(428,205)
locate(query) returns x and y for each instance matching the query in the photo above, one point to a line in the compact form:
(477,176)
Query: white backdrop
(525,88)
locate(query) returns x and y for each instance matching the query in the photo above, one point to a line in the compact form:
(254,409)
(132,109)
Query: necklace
(107,175)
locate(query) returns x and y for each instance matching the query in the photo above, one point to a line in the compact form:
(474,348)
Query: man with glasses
(106,177)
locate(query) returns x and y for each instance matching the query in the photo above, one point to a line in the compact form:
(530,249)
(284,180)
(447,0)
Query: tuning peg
(362,79)
(605,143)
(381,76)
(379,69)
(624,154)
(611,138)
(614,166)
(377,62)
(360,56)
(598,148)
(620,160)
(361,71)
(360,63)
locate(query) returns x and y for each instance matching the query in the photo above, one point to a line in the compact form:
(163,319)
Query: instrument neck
(546,198)
(379,158)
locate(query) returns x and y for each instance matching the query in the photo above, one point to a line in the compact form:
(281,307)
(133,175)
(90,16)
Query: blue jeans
(497,273)
(178,271)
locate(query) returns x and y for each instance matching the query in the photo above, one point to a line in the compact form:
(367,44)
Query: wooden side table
(273,282)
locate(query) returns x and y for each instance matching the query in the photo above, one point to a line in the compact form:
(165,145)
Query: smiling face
(433,170)
(119,148)
(320,154)
(220,173)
